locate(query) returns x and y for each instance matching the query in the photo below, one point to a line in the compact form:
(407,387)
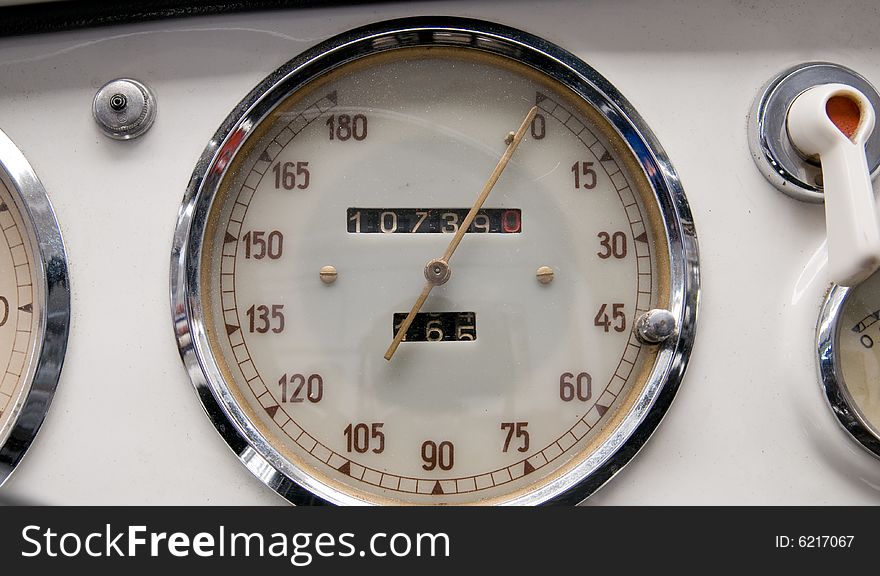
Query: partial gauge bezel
(831,377)
(50,261)
(252,448)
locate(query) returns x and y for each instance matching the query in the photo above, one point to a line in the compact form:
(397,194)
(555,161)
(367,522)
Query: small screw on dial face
(545,274)
(328,274)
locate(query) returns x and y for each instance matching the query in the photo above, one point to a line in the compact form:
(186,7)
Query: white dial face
(859,349)
(515,370)
(19,310)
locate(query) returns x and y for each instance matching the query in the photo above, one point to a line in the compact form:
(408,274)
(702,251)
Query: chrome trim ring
(773,152)
(295,484)
(54,322)
(831,376)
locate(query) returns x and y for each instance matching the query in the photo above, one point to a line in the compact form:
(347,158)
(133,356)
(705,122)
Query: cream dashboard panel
(749,425)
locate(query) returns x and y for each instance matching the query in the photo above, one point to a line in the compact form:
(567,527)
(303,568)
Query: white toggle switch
(833,122)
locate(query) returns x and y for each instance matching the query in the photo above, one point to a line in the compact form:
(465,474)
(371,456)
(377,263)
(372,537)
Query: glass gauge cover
(34,305)
(849,359)
(341,205)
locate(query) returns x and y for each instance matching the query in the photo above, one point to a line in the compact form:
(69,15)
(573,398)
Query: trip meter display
(435,262)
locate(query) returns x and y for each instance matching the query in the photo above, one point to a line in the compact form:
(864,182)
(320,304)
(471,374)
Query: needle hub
(437,271)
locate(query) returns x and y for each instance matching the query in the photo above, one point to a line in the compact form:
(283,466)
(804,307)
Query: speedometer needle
(437,271)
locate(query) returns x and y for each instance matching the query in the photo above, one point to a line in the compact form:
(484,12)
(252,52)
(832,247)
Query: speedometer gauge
(34,305)
(435,261)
